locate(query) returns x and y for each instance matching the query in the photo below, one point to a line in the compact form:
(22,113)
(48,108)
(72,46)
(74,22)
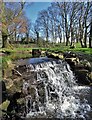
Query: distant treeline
(67,22)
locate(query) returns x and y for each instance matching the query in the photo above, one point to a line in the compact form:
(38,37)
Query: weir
(56,92)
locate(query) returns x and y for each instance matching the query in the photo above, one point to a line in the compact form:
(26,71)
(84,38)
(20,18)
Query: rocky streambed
(81,65)
(48,92)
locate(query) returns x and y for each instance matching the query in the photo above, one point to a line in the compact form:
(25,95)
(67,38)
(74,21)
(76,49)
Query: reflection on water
(33,61)
(57,93)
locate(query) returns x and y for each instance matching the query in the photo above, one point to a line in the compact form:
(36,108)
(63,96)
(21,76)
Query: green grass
(23,51)
(14,55)
(51,47)
(83,50)
(63,48)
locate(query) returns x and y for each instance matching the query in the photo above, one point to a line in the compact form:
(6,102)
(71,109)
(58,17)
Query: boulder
(90,76)
(4,94)
(36,53)
(86,64)
(82,68)
(71,59)
(72,62)
(82,76)
(52,56)
(13,105)
(69,54)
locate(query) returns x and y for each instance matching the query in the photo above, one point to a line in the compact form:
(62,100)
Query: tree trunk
(63,37)
(80,33)
(77,37)
(85,23)
(27,36)
(60,39)
(47,35)
(81,43)
(85,38)
(37,34)
(67,40)
(4,40)
(72,36)
(90,37)
(66,30)
(66,26)
(80,39)
(15,35)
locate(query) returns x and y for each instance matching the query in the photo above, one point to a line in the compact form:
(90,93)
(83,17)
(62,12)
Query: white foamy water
(57,93)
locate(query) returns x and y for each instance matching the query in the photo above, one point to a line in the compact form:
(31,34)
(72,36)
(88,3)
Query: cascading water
(56,91)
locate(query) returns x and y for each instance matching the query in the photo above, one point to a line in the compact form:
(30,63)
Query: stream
(55,91)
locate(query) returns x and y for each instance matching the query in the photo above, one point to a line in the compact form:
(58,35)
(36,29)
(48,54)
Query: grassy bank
(22,52)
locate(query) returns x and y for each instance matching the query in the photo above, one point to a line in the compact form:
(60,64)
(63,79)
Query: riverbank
(22,52)
(9,56)
(27,75)
(14,81)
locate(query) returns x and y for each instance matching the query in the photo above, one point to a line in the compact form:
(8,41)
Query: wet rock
(36,52)
(4,91)
(71,58)
(54,95)
(36,106)
(13,105)
(86,64)
(43,95)
(81,67)
(83,72)
(72,61)
(52,56)
(69,54)
(82,76)
(90,76)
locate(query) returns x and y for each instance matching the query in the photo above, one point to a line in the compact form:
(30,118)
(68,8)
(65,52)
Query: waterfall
(57,92)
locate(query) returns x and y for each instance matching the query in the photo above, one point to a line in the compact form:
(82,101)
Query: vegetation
(21,52)
(61,21)
(62,27)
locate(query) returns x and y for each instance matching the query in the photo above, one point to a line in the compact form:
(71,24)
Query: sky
(33,10)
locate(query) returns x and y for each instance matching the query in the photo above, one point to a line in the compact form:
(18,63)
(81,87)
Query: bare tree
(90,25)
(69,20)
(72,16)
(83,18)
(64,9)
(90,37)
(55,22)
(44,23)
(36,30)
(10,12)
(27,27)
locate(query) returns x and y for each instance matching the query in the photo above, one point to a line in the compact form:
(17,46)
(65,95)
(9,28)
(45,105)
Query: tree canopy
(67,22)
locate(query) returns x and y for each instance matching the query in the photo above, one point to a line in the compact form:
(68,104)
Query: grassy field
(51,47)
